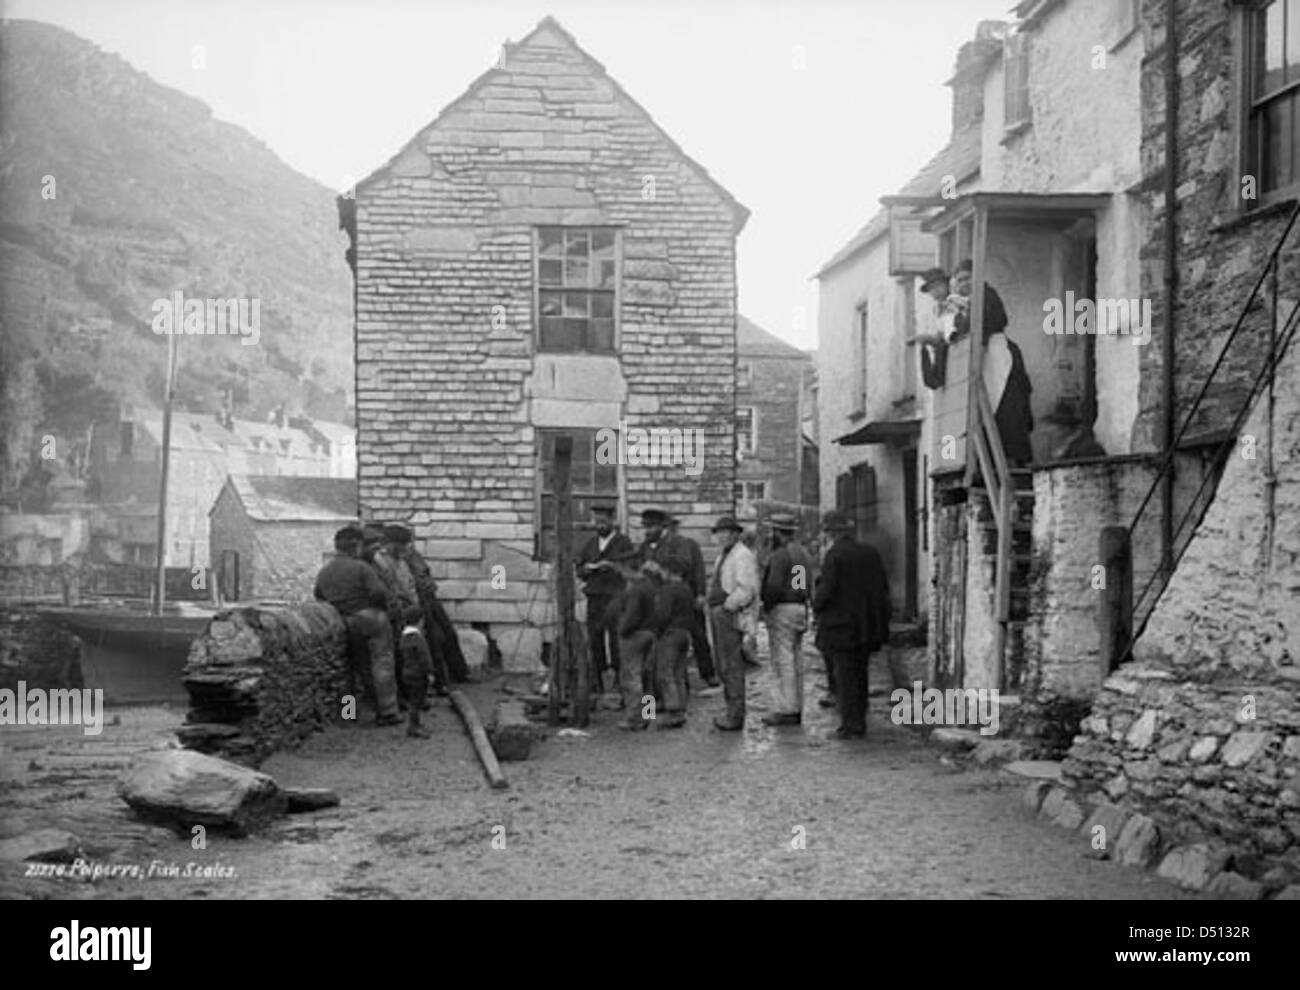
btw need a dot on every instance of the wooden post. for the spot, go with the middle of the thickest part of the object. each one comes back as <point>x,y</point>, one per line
<point>160,594</point>
<point>1115,618</point>
<point>568,642</point>
<point>478,735</point>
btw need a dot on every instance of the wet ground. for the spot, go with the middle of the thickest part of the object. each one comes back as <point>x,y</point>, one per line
<point>691,812</point>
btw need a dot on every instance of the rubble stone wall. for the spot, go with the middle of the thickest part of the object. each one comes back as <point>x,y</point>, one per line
<point>1202,729</point>
<point>262,680</point>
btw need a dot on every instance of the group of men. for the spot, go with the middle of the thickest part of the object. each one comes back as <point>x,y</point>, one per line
<point>400,637</point>
<point>652,603</point>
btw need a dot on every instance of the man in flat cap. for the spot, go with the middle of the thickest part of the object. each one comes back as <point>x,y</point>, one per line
<point>785,612</point>
<point>415,661</point>
<point>602,581</point>
<point>733,601</point>
<point>934,346</point>
<point>852,607</point>
<point>356,591</point>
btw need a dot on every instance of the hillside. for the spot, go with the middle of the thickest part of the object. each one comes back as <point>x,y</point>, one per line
<point>151,196</point>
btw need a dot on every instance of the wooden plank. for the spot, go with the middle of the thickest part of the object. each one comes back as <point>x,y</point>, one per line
<point>478,735</point>
<point>576,673</point>
<point>975,340</point>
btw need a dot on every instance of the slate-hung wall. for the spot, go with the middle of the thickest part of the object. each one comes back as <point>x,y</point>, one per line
<point>457,392</point>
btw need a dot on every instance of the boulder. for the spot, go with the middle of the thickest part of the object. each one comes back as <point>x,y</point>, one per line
<point>1194,866</point>
<point>1229,886</point>
<point>474,646</point>
<point>1138,842</point>
<point>1061,809</point>
<point>182,789</point>
<point>1111,819</point>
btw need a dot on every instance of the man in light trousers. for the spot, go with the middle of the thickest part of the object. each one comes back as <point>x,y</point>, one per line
<point>785,613</point>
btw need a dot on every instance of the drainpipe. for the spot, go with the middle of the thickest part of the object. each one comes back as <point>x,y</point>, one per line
<point>1170,279</point>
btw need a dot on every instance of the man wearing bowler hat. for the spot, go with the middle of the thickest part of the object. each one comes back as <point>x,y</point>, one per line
<point>852,607</point>
<point>602,581</point>
<point>733,601</point>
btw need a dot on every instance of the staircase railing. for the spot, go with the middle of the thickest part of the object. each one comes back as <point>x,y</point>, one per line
<point>1280,340</point>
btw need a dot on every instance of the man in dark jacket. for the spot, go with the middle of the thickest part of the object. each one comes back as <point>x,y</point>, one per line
<point>697,583</point>
<point>674,618</point>
<point>852,607</point>
<point>602,582</point>
<point>636,644</point>
<point>356,591</point>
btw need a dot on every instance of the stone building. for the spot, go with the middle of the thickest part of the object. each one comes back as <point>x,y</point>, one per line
<point>540,260</point>
<point>270,534</point>
<point>1201,729</point>
<point>126,464</point>
<point>773,397</point>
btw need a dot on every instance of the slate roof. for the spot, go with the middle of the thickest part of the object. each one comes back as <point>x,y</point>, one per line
<point>739,211</point>
<point>272,498</point>
<point>753,340</point>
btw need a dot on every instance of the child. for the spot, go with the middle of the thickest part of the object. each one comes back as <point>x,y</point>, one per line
<point>674,616</point>
<point>636,642</point>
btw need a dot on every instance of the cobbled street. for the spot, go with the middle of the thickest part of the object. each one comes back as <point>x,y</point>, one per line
<point>683,813</point>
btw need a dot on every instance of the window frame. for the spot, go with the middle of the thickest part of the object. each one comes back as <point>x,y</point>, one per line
<point>751,447</point>
<point>617,332</point>
<point>582,527</point>
<point>1016,48</point>
<point>1250,159</point>
<point>861,344</point>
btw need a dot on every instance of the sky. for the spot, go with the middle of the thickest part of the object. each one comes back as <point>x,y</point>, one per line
<point>807,111</point>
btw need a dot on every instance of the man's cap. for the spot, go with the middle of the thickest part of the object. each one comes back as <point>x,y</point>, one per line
<point>654,517</point>
<point>931,276</point>
<point>728,522</point>
<point>836,521</point>
<point>783,522</point>
<point>608,511</point>
<point>372,532</point>
<point>348,534</point>
<point>397,533</point>
<point>965,266</point>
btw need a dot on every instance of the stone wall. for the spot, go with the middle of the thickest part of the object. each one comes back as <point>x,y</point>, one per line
<point>261,680</point>
<point>451,389</point>
<point>1202,729</point>
<point>36,651</point>
<point>1220,244</point>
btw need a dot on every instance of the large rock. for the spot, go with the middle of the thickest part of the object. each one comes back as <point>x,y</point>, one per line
<point>1138,842</point>
<point>1061,809</point>
<point>1193,866</point>
<point>1110,819</point>
<point>182,789</point>
<point>474,646</point>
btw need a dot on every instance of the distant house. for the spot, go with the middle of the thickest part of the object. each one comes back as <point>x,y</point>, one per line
<point>268,535</point>
<point>773,393</point>
<point>126,463</point>
<point>540,261</point>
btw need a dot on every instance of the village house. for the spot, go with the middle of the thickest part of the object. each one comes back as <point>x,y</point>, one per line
<point>541,260</point>
<point>773,401</point>
<point>126,465</point>
<point>1201,730</point>
<point>1042,210</point>
<point>269,534</point>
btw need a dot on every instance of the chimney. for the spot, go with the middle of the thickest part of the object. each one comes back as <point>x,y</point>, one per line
<point>967,81</point>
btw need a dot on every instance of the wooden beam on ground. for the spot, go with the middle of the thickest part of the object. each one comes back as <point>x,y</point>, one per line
<point>478,735</point>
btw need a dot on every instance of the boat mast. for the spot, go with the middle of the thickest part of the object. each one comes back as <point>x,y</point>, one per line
<point>161,595</point>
